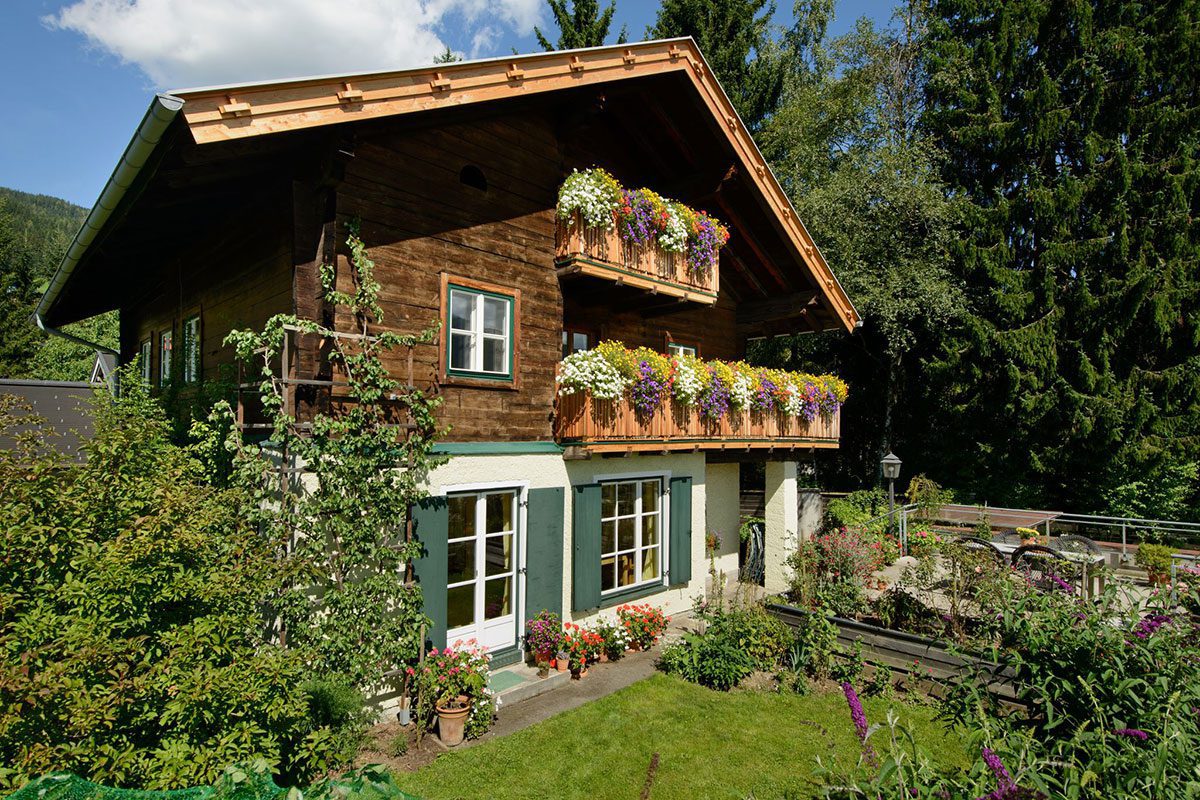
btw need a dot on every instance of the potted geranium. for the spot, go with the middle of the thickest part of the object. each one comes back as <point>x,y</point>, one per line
<point>643,624</point>
<point>543,634</point>
<point>1029,536</point>
<point>453,686</point>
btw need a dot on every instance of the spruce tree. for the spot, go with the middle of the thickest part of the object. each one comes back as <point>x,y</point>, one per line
<point>584,25</point>
<point>735,37</point>
<point>1072,129</point>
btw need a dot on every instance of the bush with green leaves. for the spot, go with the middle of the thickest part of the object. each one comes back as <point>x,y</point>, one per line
<point>132,606</point>
<point>854,510</point>
<point>1112,697</point>
<point>709,659</point>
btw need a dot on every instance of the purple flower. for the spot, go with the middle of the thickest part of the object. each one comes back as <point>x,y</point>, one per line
<point>1149,625</point>
<point>714,399</point>
<point>997,767</point>
<point>635,217</point>
<point>703,244</point>
<point>1132,733</point>
<point>1060,584</point>
<point>859,717</point>
<point>647,391</point>
<point>764,398</point>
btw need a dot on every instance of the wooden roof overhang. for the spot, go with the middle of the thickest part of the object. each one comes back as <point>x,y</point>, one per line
<point>232,146</point>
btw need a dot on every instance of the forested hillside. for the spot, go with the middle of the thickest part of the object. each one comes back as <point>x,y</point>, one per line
<point>35,231</point>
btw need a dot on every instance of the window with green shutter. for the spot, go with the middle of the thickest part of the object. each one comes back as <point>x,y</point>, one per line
<point>585,547</point>
<point>681,531</point>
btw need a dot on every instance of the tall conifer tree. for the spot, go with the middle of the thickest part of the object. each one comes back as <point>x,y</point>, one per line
<point>1074,131</point>
<point>584,25</point>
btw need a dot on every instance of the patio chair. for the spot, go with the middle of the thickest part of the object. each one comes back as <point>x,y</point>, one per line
<point>1071,543</point>
<point>1007,537</point>
<point>979,545</point>
<point>1045,568</point>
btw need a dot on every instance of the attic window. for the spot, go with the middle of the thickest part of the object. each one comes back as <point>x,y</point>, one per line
<point>473,176</point>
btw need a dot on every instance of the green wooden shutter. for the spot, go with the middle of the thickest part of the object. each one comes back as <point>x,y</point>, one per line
<point>585,550</point>
<point>681,531</point>
<point>544,551</point>
<point>432,530</point>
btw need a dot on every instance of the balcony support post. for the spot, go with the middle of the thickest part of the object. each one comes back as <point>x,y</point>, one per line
<point>783,524</point>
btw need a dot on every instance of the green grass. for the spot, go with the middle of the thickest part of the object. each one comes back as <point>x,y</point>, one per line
<point>710,745</point>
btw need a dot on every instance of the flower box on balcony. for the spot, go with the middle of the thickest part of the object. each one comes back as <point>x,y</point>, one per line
<point>602,253</point>
<point>614,425</point>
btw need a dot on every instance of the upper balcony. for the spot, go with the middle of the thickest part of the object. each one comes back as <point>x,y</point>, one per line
<point>602,253</point>
<point>637,238</point>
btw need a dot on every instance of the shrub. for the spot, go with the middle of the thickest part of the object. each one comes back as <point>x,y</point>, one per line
<point>763,637</point>
<point>710,659</point>
<point>131,617</point>
<point>816,643</point>
<point>1155,558</point>
<point>854,509</point>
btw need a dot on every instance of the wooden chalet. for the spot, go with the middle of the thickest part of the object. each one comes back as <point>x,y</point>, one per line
<point>230,198</point>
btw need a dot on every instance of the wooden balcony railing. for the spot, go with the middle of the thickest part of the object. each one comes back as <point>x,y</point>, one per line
<point>613,425</point>
<point>604,254</point>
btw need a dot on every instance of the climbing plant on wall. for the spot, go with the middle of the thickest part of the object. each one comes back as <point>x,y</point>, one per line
<point>340,505</point>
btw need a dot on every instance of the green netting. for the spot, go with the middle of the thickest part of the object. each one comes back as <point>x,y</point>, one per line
<point>238,783</point>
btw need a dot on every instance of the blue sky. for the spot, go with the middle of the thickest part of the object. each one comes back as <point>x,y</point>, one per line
<point>76,88</point>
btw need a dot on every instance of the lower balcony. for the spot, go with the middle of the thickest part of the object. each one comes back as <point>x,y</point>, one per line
<point>614,426</point>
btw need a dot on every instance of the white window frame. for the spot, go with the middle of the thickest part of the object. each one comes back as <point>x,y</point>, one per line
<point>522,490</point>
<point>165,347</point>
<point>664,529</point>
<point>146,354</point>
<point>476,333</point>
<point>191,349</point>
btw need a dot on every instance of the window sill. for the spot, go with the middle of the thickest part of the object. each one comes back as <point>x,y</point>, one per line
<point>469,382</point>
<point>633,593</point>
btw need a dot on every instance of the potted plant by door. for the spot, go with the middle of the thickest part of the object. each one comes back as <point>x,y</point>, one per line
<point>560,661</point>
<point>543,635</point>
<point>452,686</point>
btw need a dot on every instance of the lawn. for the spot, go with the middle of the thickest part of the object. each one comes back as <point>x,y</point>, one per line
<point>710,745</point>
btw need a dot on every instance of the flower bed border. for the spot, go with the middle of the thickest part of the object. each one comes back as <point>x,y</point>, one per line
<point>899,650</point>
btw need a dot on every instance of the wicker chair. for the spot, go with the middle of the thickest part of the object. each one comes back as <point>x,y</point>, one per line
<point>1045,568</point>
<point>1070,543</point>
<point>978,545</point>
<point>1007,537</point>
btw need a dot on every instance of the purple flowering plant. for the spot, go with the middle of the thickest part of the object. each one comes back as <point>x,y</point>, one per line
<point>543,633</point>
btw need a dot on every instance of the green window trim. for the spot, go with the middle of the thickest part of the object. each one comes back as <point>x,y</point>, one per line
<point>510,337</point>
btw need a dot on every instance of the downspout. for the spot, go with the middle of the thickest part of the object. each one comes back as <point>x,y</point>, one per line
<point>163,110</point>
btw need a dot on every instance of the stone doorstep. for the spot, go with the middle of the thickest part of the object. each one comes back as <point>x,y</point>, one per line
<point>530,685</point>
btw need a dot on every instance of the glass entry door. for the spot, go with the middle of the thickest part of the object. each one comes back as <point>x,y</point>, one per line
<point>482,578</point>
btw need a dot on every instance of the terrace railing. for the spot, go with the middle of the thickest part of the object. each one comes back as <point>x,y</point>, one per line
<point>601,253</point>
<point>614,425</point>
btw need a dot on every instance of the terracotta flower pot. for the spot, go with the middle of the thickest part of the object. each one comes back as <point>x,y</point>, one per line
<point>603,658</point>
<point>452,720</point>
<point>635,646</point>
<point>560,664</point>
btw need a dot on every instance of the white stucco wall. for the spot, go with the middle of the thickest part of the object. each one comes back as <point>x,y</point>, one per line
<point>548,470</point>
<point>722,516</point>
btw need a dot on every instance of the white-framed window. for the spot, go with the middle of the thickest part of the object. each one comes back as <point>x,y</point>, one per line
<point>479,333</point>
<point>481,559</point>
<point>631,533</point>
<point>145,354</point>
<point>164,357</point>
<point>676,349</point>
<point>191,349</point>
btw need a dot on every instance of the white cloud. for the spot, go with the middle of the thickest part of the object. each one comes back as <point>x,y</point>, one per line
<point>180,43</point>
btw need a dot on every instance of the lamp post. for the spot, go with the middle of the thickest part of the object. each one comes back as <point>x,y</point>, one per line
<point>891,470</point>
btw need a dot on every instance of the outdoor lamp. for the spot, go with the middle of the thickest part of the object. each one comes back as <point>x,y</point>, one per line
<point>891,470</point>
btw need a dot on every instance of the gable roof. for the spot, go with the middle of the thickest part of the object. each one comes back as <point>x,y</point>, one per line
<point>245,111</point>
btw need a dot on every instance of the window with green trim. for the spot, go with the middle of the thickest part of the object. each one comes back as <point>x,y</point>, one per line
<point>479,334</point>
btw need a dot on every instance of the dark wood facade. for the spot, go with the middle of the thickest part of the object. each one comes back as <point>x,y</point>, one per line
<point>236,216</point>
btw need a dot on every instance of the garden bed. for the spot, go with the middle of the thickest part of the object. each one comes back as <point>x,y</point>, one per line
<point>928,663</point>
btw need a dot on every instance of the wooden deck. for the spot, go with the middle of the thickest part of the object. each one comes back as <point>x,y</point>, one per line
<point>613,426</point>
<point>604,254</point>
